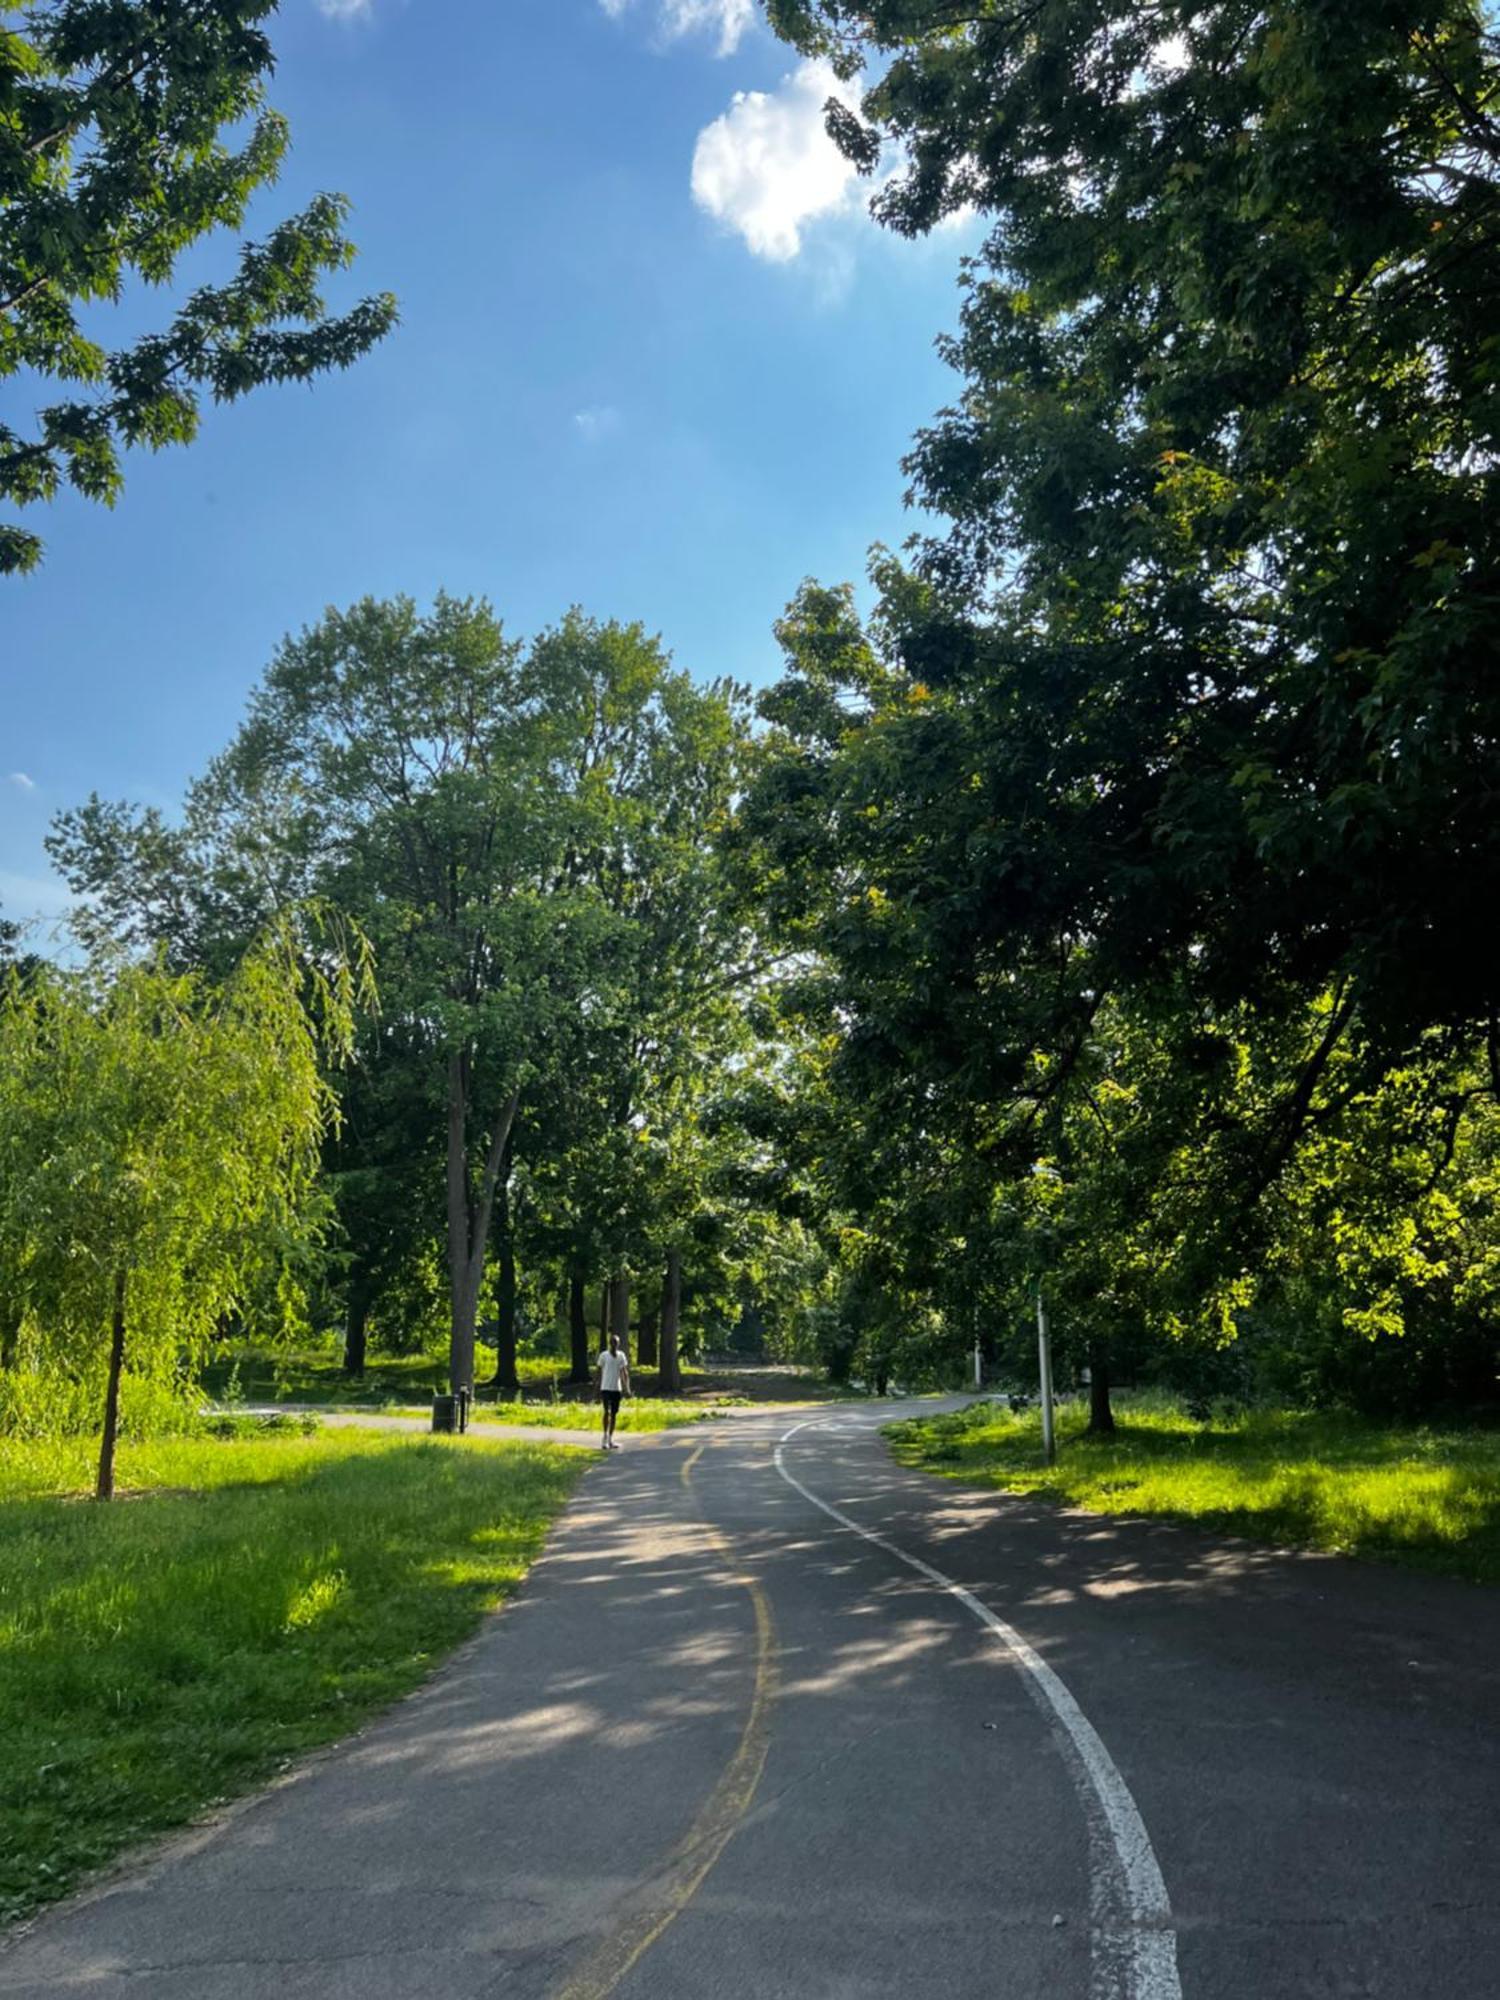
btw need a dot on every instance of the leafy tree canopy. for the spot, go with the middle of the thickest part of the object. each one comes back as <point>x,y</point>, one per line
<point>1221,570</point>
<point>525,832</point>
<point>129,130</point>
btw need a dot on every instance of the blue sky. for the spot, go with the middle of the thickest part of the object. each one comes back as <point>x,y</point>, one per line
<point>653,359</point>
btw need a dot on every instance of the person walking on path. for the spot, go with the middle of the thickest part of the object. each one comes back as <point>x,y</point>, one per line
<point>612,1372</point>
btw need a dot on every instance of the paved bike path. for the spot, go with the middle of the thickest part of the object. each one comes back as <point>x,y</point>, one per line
<point>720,1745</point>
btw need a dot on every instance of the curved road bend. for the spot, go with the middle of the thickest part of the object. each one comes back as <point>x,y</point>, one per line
<point>723,1743</point>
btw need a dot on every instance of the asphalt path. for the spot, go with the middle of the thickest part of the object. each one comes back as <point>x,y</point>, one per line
<point>774,1717</point>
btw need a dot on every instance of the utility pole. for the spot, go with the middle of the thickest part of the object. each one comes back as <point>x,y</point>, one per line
<point>978,1366</point>
<point>1044,1362</point>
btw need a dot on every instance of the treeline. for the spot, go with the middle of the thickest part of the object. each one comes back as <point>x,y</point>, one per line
<point>1110,911</point>
<point>1147,829</point>
<point>520,844</point>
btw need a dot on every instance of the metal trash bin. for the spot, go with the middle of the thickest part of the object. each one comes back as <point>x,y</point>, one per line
<point>445,1413</point>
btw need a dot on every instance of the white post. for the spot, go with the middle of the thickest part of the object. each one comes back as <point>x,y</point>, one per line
<point>978,1369</point>
<point>1044,1361</point>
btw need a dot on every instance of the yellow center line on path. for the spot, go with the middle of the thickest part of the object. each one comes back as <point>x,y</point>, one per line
<point>690,1863</point>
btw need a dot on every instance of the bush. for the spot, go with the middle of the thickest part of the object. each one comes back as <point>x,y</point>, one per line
<point>36,1406</point>
<point>233,1429</point>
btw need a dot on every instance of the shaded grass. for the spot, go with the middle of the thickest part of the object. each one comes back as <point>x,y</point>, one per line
<point>247,1601</point>
<point>405,1386</point>
<point>1426,1498</point>
<point>315,1378</point>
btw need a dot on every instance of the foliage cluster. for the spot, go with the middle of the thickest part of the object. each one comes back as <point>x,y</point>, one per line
<point>130,130</point>
<point>539,1113</point>
<point>1144,832</point>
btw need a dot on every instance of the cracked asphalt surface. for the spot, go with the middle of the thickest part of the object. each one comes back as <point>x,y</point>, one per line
<point>718,1746</point>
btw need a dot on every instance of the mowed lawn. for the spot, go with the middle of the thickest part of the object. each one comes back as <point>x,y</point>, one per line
<point>243,1602</point>
<point>1429,1498</point>
<point>404,1386</point>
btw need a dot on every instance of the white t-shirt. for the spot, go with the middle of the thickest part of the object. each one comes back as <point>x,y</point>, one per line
<point>611,1367</point>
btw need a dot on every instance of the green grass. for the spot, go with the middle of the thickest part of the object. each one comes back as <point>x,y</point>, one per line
<point>316,1379</point>
<point>247,1600</point>
<point>405,1387</point>
<point>1426,1498</point>
<point>637,1413</point>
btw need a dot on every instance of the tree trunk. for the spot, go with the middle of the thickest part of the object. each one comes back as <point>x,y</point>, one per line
<point>10,1332</point>
<point>1101,1416</point>
<point>104,1486</point>
<point>469,1212</point>
<point>645,1339</point>
<point>578,1328</point>
<point>619,1310</point>
<point>356,1322</point>
<point>507,1378</point>
<point>463,1293</point>
<point>669,1373</point>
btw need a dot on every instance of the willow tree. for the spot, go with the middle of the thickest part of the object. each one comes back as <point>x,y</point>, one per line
<point>158,1135</point>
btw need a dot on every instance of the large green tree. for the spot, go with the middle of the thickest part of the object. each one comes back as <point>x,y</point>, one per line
<point>654,758</point>
<point>129,130</point>
<point>1183,706</point>
<point>1221,557</point>
<point>526,835</point>
<point>417,765</point>
<point>1201,1156</point>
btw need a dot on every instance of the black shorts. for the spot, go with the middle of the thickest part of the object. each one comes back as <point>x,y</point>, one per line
<point>611,1400</point>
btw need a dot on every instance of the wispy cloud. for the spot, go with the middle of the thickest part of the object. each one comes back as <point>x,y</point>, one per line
<point>344,10</point>
<point>675,19</point>
<point>23,781</point>
<point>595,424</point>
<point>767,167</point>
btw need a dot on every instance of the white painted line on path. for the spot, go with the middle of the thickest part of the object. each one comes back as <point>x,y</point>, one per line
<point>1134,1943</point>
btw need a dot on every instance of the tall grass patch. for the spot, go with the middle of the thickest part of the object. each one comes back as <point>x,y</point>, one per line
<point>244,1601</point>
<point>1429,1498</point>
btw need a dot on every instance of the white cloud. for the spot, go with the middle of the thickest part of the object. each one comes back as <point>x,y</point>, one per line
<point>728,19</point>
<point>344,10</point>
<point>767,167</point>
<point>23,781</point>
<point>597,423</point>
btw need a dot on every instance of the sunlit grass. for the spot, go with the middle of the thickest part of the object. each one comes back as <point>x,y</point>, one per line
<point>637,1413</point>
<point>243,1602</point>
<point>1428,1498</point>
<point>405,1385</point>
